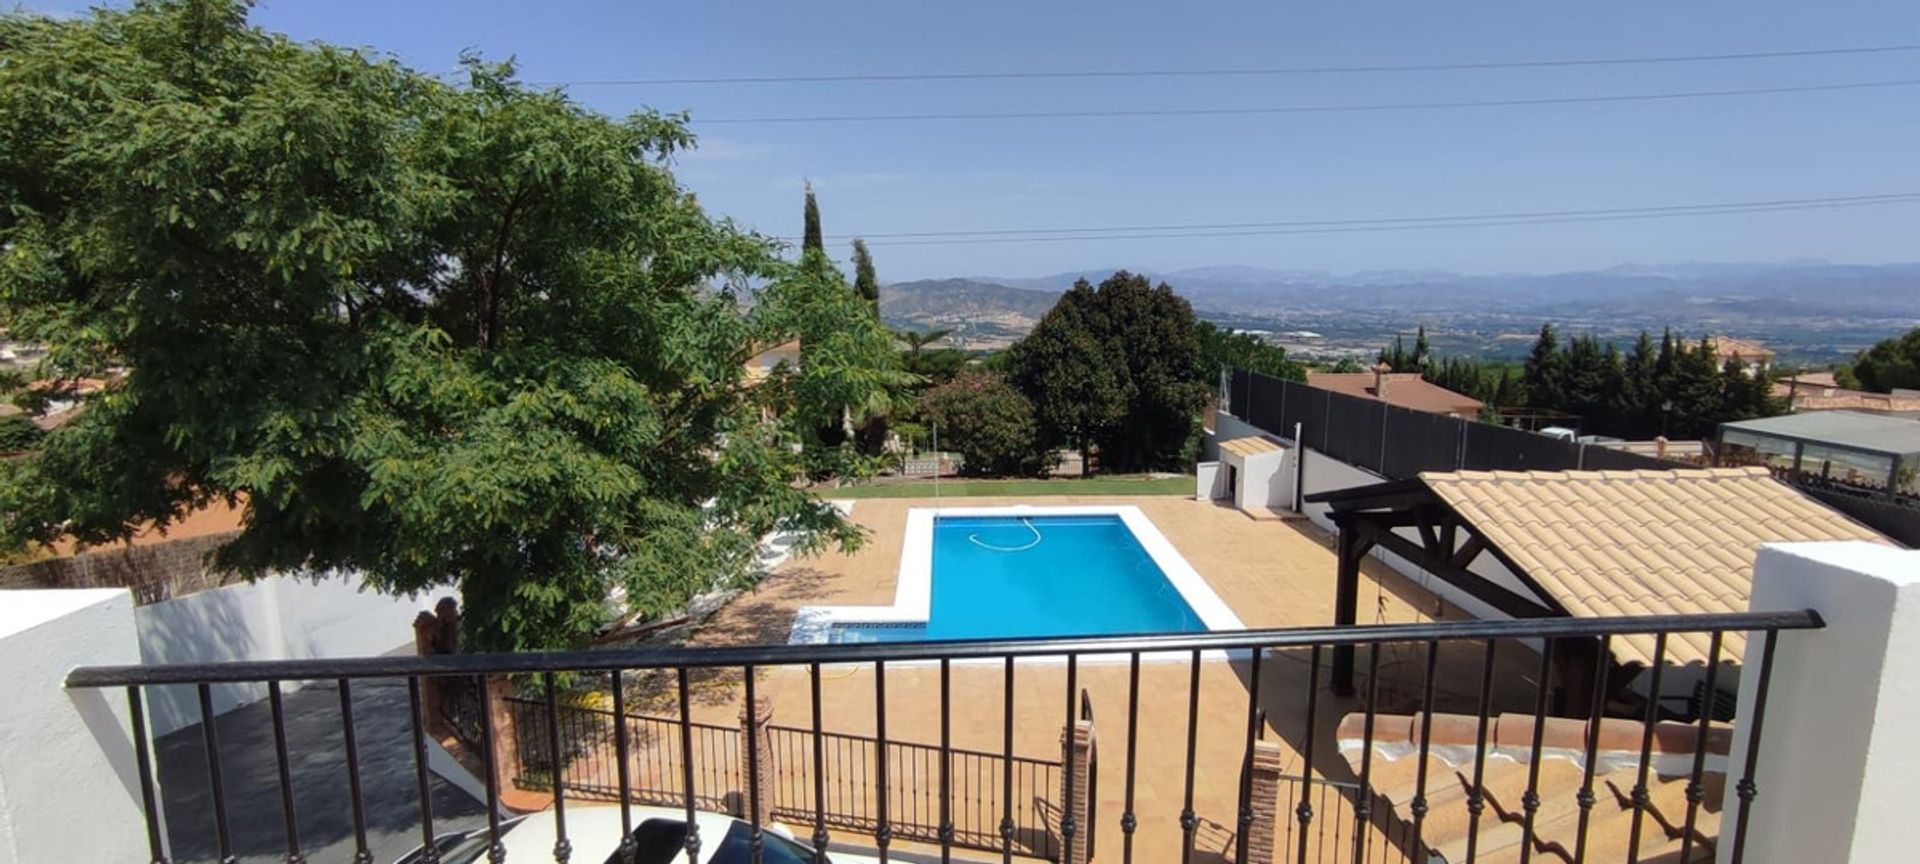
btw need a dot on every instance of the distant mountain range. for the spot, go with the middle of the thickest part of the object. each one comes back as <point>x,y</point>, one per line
<point>1845,303</point>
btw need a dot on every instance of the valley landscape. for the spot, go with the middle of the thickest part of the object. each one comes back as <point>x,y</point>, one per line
<point>1810,312</point>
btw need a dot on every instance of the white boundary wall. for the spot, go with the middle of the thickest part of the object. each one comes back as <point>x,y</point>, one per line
<point>69,786</point>
<point>1838,755</point>
<point>275,618</point>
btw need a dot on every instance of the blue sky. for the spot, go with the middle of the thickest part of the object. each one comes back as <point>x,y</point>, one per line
<point>1005,174</point>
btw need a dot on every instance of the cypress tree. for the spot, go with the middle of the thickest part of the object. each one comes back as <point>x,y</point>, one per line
<point>865,282</point>
<point>811,240</point>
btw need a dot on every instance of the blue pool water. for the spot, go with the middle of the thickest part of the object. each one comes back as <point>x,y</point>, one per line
<point>1009,576</point>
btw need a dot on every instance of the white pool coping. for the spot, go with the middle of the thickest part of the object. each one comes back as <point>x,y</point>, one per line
<point>913,596</point>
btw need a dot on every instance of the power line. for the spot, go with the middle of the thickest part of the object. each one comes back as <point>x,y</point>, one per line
<point>1207,73</point>
<point>1683,209</point>
<point>1311,109</point>
<point>1554,217</point>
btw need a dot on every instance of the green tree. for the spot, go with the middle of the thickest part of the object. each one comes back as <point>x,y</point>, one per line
<point>810,238</point>
<point>1221,348</point>
<point>850,379</point>
<point>1889,364</point>
<point>472,336</point>
<point>17,434</point>
<point>989,423</point>
<point>1116,366</point>
<point>1546,372</point>
<point>865,282</point>
<point>1072,372</point>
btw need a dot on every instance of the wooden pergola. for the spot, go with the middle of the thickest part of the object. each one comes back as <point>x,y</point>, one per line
<point>1445,545</point>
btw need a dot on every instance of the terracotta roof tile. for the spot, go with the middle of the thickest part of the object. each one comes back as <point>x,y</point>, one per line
<point>1405,389</point>
<point>1607,543</point>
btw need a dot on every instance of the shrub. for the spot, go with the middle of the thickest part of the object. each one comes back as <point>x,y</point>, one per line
<point>989,423</point>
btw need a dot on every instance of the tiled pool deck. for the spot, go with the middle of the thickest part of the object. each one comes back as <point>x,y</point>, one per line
<point>1271,572</point>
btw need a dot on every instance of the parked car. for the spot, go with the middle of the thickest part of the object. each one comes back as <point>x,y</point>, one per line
<point>659,834</point>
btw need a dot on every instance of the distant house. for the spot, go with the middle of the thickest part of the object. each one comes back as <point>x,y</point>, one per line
<point>762,364</point>
<point>1750,352</point>
<point>1818,391</point>
<point>1404,389</point>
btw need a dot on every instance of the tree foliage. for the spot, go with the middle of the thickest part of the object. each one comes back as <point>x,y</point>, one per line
<point>439,335</point>
<point>1115,367</point>
<point>1889,364</point>
<point>1678,389</point>
<point>989,423</point>
<point>866,282</point>
<point>1221,348</point>
<point>18,434</point>
<point>810,237</point>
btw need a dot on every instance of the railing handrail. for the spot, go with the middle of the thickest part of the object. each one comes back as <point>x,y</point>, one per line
<point>891,652</point>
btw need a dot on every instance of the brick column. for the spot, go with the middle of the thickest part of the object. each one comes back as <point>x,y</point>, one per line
<point>756,723</point>
<point>1077,786</point>
<point>506,738</point>
<point>1265,780</point>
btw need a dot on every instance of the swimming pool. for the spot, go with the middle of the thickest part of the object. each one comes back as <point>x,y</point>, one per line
<point>985,573</point>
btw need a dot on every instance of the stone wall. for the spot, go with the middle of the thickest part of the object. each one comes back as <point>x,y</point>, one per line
<point>155,571</point>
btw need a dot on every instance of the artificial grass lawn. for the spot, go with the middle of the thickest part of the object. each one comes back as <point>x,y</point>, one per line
<point>1124,484</point>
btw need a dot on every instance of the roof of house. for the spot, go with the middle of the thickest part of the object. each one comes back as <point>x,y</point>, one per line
<point>1748,350</point>
<point>1854,430</point>
<point>1610,543</point>
<point>1405,389</point>
<point>1251,445</point>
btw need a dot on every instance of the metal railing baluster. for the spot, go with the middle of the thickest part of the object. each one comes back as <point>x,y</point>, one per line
<point>143,762</point>
<point>1695,790</point>
<point>1188,821</point>
<point>946,762</point>
<point>1745,788</point>
<point>562,848</point>
<point>819,772</point>
<point>429,853</point>
<point>1530,800</point>
<point>276,705</point>
<point>1305,810</point>
<point>623,752</point>
<point>496,852</point>
<point>686,759</point>
<point>1477,798</point>
<point>1363,801</point>
<point>756,841</point>
<point>883,837</point>
<point>1596,717</point>
<point>1127,821</point>
<point>1418,807</point>
<point>362,854</point>
<point>1650,721</point>
<point>1006,771</point>
<point>1245,813</point>
<point>1067,823</point>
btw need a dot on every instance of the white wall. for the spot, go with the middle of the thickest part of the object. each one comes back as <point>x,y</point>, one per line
<point>1209,481</point>
<point>276,618</point>
<point>69,786</point>
<point>1838,751</point>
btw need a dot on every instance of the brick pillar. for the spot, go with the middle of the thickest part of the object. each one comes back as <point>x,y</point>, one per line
<point>506,737</point>
<point>1265,780</point>
<point>426,643</point>
<point>1077,786</point>
<point>756,722</point>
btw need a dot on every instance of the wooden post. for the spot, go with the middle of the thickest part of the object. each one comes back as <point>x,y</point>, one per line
<point>1346,601</point>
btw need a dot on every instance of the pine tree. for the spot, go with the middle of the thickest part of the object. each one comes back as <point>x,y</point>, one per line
<point>811,238</point>
<point>1546,375</point>
<point>1422,352</point>
<point>865,282</point>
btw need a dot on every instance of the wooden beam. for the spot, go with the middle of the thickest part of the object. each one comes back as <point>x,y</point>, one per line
<point>1468,581</point>
<point>1468,551</point>
<point>1351,545</point>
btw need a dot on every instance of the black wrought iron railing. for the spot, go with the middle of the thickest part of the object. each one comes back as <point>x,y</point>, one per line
<point>1280,670</point>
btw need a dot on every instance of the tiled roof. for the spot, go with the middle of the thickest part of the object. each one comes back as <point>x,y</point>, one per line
<point>1251,445</point>
<point>1605,543</point>
<point>1749,351</point>
<point>1405,389</point>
